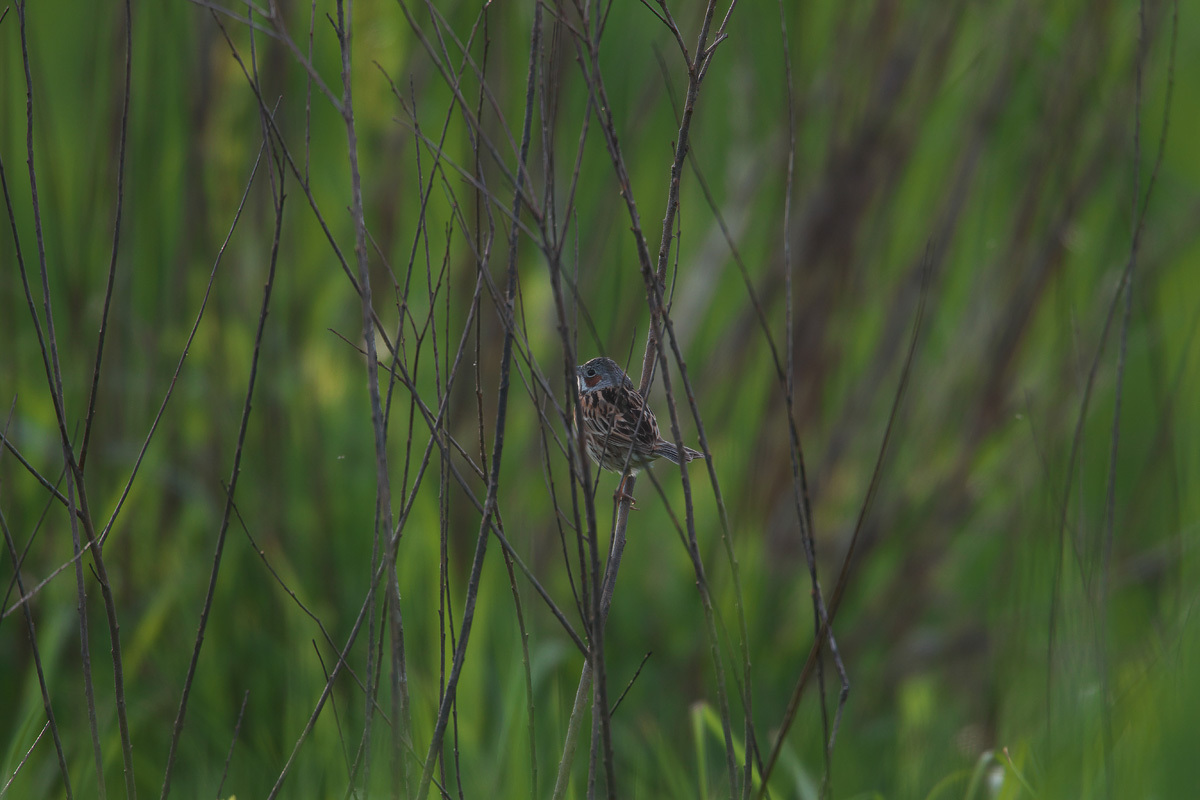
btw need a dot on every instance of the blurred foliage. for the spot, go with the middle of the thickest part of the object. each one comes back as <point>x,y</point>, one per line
<point>1007,629</point>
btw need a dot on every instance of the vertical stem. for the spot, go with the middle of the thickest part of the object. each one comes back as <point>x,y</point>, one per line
<point>383,501</point>
<point>489,507</point>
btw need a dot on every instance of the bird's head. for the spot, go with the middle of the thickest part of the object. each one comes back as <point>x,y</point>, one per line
<point>601,373</point>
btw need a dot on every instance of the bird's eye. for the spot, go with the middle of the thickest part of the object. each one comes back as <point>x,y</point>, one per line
<point>591,373</point>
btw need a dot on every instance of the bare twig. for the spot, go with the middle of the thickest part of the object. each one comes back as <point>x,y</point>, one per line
<point>50,360</point>
<point>237,727</point>
<point>839,588</point>
<point>177,731</point>
<point>629,685</point>
<point>29,626</point>
<point>112,262</point>
<point>498,448</point>
<point>1139,217</point>
<point>587,44</point>
<point>45,725</point>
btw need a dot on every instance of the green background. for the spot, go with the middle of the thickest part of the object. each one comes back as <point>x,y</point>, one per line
<point>1005,633</point>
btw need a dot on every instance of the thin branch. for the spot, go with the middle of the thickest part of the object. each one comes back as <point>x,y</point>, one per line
<point>498,448</point>
<point>587,46</point>
<point>237,727</point>
<point>45,725</point>
<point>839,589</point>
<point>53,368</point>
<point>33,645</point>
<point>112,261</point>
<point>629,685</point>
<point>177,730</point>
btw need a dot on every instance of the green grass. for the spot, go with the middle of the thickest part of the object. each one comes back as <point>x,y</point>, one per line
<point>979,665</point>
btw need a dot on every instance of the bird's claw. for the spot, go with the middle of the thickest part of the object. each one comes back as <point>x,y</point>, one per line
<point>620,494</point>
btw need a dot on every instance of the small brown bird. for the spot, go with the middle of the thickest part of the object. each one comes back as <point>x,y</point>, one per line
<point>619,430</point>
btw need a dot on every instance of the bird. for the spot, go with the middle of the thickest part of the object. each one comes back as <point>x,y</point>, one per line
<point>619,429</point>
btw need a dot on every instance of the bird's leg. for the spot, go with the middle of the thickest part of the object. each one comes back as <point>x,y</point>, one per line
<point>620,494</point>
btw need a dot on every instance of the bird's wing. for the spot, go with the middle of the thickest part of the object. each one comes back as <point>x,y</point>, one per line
<point>636,422</point>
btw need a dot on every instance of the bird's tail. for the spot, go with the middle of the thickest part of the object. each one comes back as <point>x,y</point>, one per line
<point>670,452</point>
